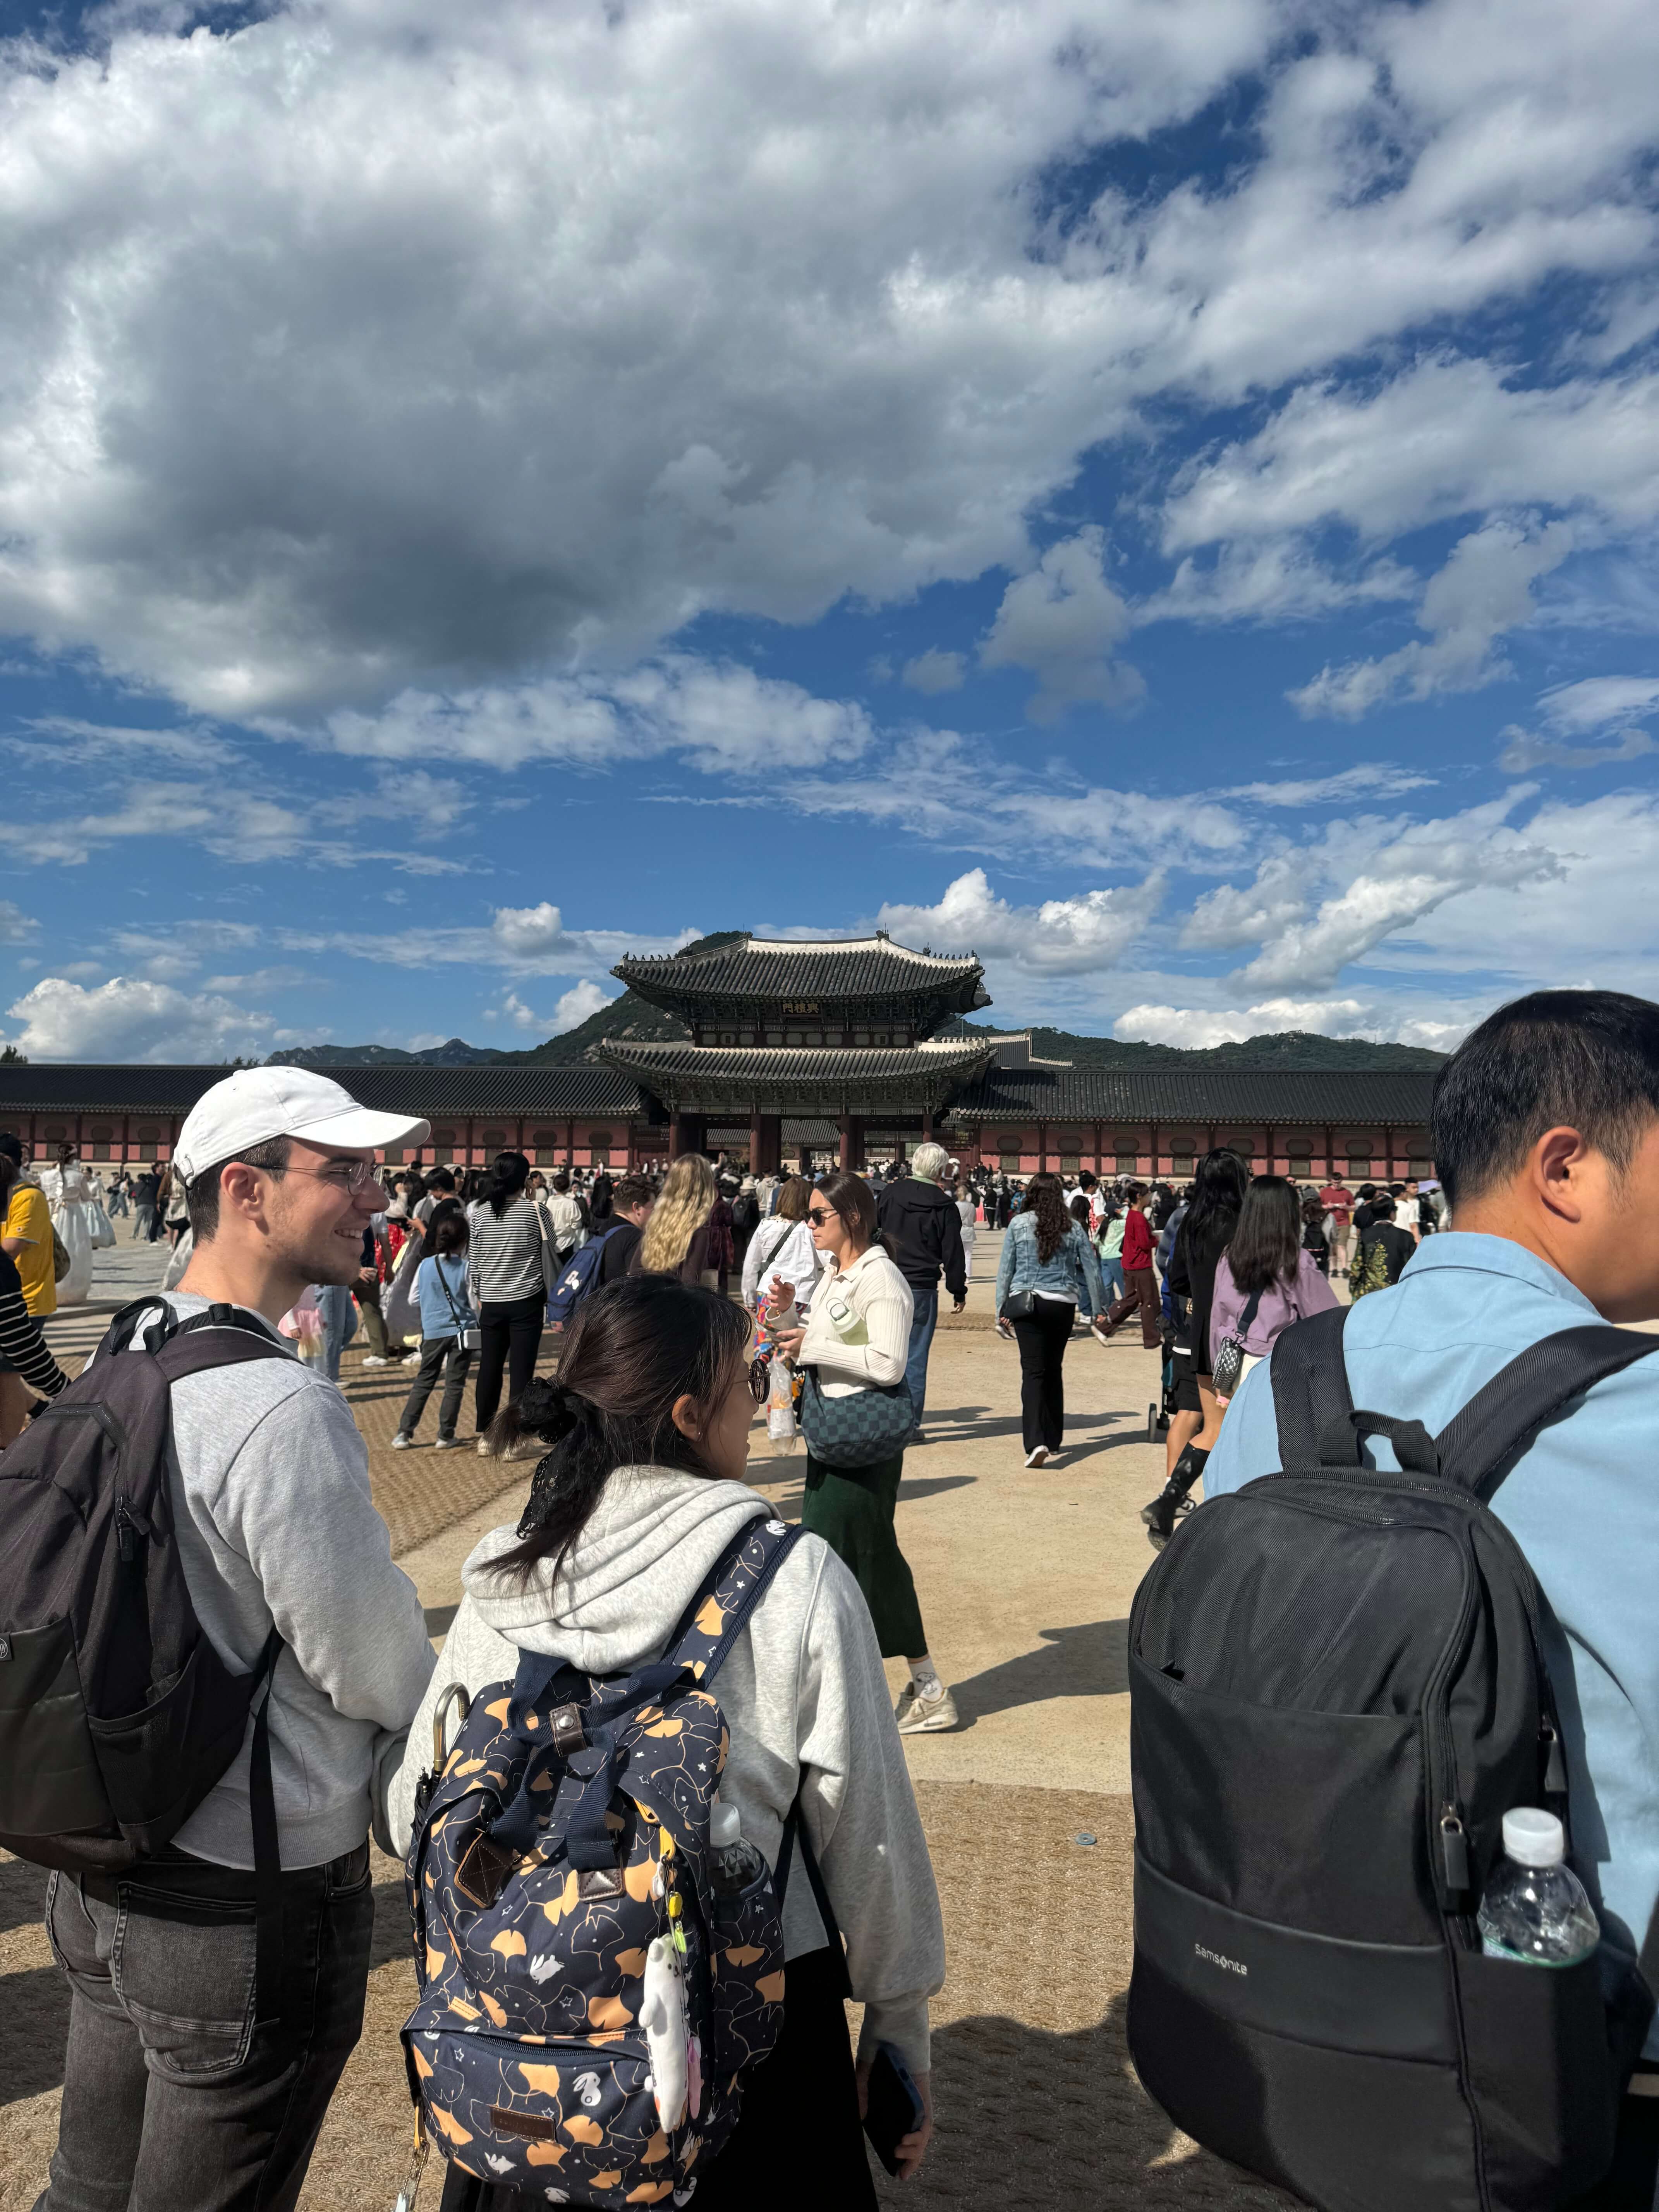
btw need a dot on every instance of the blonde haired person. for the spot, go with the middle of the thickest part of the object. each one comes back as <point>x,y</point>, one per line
<point>675,1239</point>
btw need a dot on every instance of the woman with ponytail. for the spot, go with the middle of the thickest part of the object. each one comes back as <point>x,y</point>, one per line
<point>640,1490</point>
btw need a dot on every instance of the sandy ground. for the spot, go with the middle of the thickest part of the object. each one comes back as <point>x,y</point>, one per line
<point>1025,1579</point>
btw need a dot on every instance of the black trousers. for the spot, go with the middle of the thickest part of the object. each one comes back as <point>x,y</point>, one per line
<point>510,1336</point>
<point>1042,1341</point>
<point>804,2093</point>
<point>439,1355</point>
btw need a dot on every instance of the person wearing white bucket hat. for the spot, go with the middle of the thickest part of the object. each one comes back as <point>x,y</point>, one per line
<point>173,2090</point>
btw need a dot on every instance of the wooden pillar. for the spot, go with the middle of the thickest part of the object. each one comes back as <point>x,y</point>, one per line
<point>1272,1150</point>
<point>927,1125</point>
<point>1387,1153</point>
<point>1330,1155</point>
<point>1210,1134</point>
<point>1152,1144</point>
<point>1099,1167</point>
<point>1043,1148</point>
<point>845,1156</point>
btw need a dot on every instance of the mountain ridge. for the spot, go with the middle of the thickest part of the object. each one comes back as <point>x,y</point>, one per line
<point>1299,1051</point>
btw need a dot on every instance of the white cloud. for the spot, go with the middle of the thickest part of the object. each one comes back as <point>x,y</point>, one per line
<point>573,1007</point>
<point>130,1018</point>
<point>1062,623</point>
<point>1485,589</point>
<point>1366,780</point>
<point>1599,702</point>
<point>15,926</point>
<point>1200,1027</point>
<point>935,671</point>
<point>570,326</point>
<point>1394,885</point>
<point>1060,937</point>
<point>1522,751</point>
<point>720,718</point>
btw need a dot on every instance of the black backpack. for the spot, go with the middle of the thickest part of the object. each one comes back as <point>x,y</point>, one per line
<point>1336,1690</point>
<point>117,1715</point>
<point>745,1212</point>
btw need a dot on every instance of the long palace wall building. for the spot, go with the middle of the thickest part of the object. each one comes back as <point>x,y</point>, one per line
<point>802,1054</point>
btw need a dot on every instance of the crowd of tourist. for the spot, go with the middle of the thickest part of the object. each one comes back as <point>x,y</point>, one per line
<point>200,2060</point>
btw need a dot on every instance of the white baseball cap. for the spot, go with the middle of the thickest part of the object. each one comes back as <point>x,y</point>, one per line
<point>258,1103</point>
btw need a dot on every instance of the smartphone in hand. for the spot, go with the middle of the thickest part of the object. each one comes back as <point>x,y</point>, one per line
<point>893,2107</point>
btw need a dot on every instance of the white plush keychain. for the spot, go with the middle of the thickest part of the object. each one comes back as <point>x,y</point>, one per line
<point>663,2017</point>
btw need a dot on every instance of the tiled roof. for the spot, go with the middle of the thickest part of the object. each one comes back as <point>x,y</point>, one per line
<point>1199,1095</point>
<point>792,1064</point>
<point>436,1093</point>
<point>872,968</point>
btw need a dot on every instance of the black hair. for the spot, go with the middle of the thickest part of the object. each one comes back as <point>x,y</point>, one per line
<point>1219,1182</point>
<point>634,1349</point>
<point>1583,1059</point>
<point>440,1179</point>
<point>562,1180</point>
<point>451,1232</point>
<point>508,1174</point>
<point>202,1192</point>
<point>1382,1209</point>
<point>1266,1245</point>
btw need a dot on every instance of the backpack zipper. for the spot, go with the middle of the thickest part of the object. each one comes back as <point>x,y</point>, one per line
<point>129,1527</point>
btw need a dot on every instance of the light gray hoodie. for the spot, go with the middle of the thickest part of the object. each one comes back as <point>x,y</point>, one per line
<point>802,1690</point>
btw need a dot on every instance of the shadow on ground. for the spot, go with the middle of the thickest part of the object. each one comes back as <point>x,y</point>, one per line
<point>1089,1660</point>
<point>1028,2119</point>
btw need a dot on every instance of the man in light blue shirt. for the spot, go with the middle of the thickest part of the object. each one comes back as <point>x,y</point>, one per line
<point>1547,1137</point>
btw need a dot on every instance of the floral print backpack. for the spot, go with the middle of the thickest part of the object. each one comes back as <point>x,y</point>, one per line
<point>589,2006</point>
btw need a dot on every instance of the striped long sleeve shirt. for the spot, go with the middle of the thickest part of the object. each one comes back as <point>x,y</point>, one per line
<point>22,1345</point>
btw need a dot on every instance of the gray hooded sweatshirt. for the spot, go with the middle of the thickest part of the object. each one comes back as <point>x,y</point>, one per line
<point>802,1690</point>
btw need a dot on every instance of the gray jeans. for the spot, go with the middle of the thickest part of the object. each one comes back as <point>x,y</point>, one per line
<point>175,2099</point>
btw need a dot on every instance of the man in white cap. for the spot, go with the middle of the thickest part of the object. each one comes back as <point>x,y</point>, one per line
<point>175,2093</point>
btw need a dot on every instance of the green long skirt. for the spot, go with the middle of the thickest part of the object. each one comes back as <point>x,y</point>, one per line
<point>852,1509</point>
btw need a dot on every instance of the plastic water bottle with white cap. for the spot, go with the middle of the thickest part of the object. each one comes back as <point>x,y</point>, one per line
<point>1535,1911</point>
<point>734,1865</point>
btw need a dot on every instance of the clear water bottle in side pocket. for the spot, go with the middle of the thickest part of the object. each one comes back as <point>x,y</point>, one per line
<point>1535,1911</point>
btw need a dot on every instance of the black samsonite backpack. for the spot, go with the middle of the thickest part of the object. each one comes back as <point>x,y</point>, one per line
<point>117,1715</point>
<point>1337,1691</point>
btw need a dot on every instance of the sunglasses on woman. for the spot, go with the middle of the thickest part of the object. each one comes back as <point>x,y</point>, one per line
<point>818,1217</point>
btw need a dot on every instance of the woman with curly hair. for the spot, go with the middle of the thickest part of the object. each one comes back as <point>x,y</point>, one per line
<point>675,1239</point>
<point>1048,1269</point>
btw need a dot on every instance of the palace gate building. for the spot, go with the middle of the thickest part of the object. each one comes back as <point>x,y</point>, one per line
<point>803,1054</point>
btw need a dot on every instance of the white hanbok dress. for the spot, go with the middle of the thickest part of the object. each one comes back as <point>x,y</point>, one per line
<point>80,1221</point>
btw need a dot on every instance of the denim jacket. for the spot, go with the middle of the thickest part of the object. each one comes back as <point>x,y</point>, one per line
<point>1073,1273</point>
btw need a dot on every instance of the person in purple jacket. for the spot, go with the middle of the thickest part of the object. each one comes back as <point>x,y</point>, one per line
<point>1265,1280</point>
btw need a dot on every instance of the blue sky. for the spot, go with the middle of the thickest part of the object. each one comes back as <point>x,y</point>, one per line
<point>1161,493</point>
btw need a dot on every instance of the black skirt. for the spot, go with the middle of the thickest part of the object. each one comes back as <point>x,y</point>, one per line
<point>805,2092</point>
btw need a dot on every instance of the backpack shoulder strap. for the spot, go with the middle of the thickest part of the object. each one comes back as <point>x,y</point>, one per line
<point>1311,1385</point>
<point>214,1339</point>
<point>715,1617</point>
<point>1478,1447</point>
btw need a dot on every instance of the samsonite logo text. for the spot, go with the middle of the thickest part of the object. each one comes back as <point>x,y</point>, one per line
<point>1215,1959</point>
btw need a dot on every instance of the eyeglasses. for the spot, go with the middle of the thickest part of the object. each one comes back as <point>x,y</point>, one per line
<point>818,1219</point>
<point>353,1175</point>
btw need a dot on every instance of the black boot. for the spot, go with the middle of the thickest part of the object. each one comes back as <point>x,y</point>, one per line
<point>1160,1516</point>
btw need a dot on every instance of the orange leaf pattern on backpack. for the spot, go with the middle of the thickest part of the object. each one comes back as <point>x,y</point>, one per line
<point>543,1963</point>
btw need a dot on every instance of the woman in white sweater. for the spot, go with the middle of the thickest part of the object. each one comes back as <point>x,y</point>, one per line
<point>859,1334</point>
<point>641,1492</point>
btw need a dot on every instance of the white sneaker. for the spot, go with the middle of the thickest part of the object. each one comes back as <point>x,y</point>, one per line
<point>411,1359</point>
<point>483,1448</point>
<point>1037,1456</point>
<point>401,1442</point>
<point>447,1443</point>
<point>375,1360</point>
<point>919,1715</point>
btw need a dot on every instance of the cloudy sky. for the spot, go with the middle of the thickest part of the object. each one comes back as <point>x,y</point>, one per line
<point>1162,492</point>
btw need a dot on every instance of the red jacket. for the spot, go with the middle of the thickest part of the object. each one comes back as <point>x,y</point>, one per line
<point>1137,1240</point>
